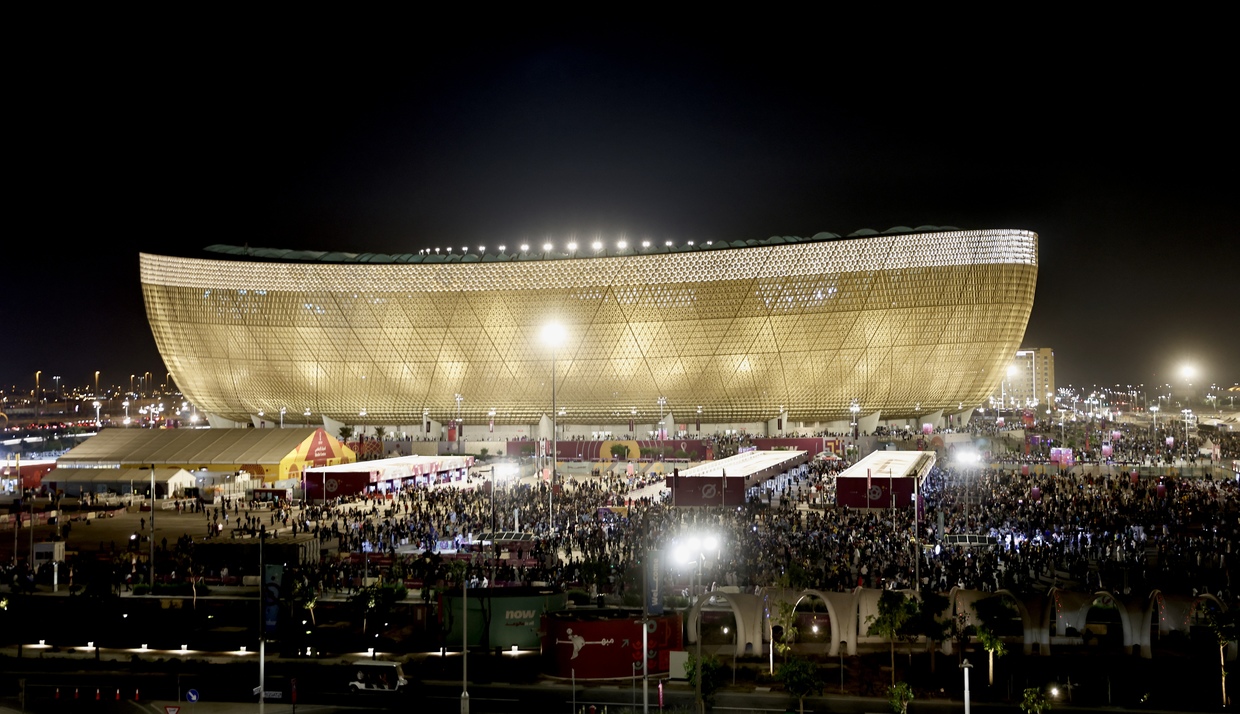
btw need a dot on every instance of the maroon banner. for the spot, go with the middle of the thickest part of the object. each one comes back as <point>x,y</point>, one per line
<point>608,649</point>
<point>689,491</point>
<point>854,492</point>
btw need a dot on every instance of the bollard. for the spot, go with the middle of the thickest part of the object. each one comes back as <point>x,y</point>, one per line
<point>118,694</point>
<point>96,694</point>
<point>58,692</point>
<point>75,692</point>
<point>135,694</point>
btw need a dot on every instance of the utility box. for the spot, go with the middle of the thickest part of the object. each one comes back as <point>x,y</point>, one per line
<point>50,552</point>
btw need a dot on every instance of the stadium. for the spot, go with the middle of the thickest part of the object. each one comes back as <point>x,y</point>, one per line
<point>913,324</point>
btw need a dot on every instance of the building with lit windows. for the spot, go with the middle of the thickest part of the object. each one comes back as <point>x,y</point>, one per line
<point>778,334</point>
<point>1029,382</point>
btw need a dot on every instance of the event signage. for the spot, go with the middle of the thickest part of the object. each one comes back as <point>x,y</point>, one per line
<point>654,583</point>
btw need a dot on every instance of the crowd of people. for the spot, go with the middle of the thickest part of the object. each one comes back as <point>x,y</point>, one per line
<point>1058,529</point>
<point>1088,528</point>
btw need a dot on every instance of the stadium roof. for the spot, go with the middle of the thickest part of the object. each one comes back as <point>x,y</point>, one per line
<point>896,464</point>
<point>464,256</point>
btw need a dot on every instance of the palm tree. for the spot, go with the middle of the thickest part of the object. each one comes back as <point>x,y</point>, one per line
<point>994,646</point>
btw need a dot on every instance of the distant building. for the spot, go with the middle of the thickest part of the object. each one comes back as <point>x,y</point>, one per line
<point>1030,380</point>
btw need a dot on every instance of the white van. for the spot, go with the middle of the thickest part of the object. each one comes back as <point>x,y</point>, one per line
<point>376,676</point>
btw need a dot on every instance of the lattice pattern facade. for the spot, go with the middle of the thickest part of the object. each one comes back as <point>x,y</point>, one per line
<point>903,324</point>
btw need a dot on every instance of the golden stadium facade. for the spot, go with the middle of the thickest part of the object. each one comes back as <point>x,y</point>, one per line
<point>902,323</point>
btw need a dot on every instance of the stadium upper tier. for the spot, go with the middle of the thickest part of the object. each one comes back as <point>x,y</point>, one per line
<point>902,323</point>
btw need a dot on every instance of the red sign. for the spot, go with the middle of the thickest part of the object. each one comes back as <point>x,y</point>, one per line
<point>607,649</point>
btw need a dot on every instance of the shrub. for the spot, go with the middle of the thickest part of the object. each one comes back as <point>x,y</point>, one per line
<point>898,696</point>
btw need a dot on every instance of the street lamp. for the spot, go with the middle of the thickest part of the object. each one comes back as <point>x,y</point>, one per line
<point>37,396</point>
<point>98,423</point>
<point>282,413</point>
<point>855,408</point>
<point>1188,414</point>
<point>693,551</point>
<point>553,336</point>
<point>965,666</point>
<point>459,426</point>
<point>969,459</point>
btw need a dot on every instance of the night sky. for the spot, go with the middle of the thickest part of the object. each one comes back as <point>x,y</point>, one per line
<point>386,136</point>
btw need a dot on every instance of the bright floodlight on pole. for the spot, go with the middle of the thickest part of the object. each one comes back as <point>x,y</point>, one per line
<point>553,335</point>
<point>693,550</point>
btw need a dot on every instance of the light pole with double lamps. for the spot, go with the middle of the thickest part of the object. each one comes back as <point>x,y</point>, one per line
<point>693,551</point>
<point>553,336</point>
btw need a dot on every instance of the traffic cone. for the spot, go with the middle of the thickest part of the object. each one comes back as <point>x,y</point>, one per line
<point>96,694</point>
<point>75,692</point>
<point>58,692</point>
<point>118,694</point>
<point>135,694</point>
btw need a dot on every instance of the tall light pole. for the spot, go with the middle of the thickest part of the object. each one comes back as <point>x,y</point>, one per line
<point>855,408</point>
<point>1188,414</point>
<point>464,643</point>
<point>36,395</point>
<point>694,551</point>
<point>459,425</point>
<point>260,574</point>
<point>553,335</point>
<point>96,383</point>
<point>965,666</point>
<point>283,411</point>
<point>262,620</point>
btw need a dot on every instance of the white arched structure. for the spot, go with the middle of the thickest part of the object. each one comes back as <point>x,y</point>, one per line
<point>1072,610</point>
<point>841,608</point>
<point>746,608</point>
<point>1034,620</point>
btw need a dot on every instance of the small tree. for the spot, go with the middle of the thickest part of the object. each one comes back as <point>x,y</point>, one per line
<point>927,623</point>
<point>800,678</point>
<point>1224,627</point>
<point>619,451</point>
<point>346,433</point>
<point>894,611</point>
<point>380,432</point>
<point>995,613</point>
<point>712,675</point>
<point>898,697</point>
<point>1034,701</point>
<point>994,646</point>
<point>305,596</point>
